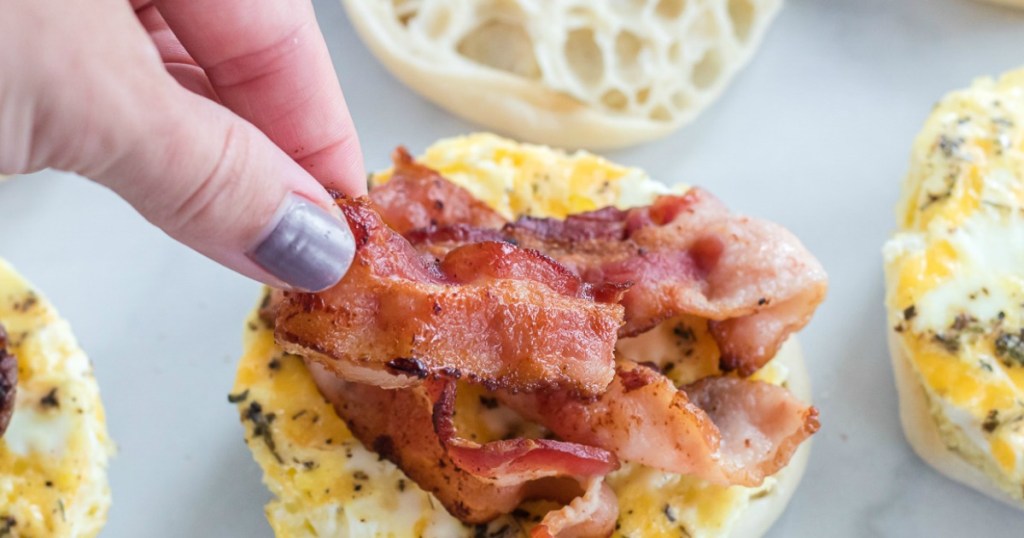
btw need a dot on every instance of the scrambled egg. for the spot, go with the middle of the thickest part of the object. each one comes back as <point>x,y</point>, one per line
<point>53,457</point>
<point>327,484</point>
<point>956,274</point>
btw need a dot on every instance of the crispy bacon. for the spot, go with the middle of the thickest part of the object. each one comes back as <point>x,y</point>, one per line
<point>413,428</point>
<point>722,429</point>
<point>495,313</point>
<point>681,255</point>
<point>418,197</point>
<point>532,310</point>
<point>8,382</point>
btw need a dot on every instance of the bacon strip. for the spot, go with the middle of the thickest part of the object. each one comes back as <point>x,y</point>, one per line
<point>500,315</point>
<point>413,428</point>
<point>592,514</point>
<point>722,429</point>
<point>8,382</point>
<point>682,255</point>
<point>418,197</point>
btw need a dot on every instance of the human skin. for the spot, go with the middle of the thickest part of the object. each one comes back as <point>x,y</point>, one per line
<point>220,121</point>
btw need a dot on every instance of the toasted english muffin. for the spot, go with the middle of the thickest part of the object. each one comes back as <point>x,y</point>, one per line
<point>326,483</point>
<point>53,456</point>
<point>955,289</point>
<point>594,74</point>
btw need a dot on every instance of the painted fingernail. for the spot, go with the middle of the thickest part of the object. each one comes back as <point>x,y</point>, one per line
<point>307,248</point>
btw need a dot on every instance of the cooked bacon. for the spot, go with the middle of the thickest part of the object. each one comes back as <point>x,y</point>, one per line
<point>513,461</point>
<point>592,514</point>
<point>418,197</point>
<point>412,427</point>
<point>500,315</point>
<point>681,255</point>
<point>761,425</point>
<point>722,429</point>
<point>8,382</point>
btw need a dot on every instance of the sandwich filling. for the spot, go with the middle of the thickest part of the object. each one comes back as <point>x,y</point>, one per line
<point>956,275</point>
<point>545,326</point>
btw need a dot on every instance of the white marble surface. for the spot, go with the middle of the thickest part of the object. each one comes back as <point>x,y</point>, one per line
<point>814,134</point>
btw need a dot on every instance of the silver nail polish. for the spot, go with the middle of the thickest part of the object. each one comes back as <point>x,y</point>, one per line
<point>308,248</point>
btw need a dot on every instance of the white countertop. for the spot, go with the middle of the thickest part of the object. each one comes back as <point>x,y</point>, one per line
<point>814,134</point>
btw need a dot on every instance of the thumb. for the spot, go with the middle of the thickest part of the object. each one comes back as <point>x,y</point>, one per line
<point>216,183</point>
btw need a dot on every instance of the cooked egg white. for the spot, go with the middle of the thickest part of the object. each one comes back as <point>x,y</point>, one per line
<point>53,457</point>
<point>327,484</point>
<point>955,273</point>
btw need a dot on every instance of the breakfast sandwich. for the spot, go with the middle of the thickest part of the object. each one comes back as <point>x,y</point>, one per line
<point>594,73</point>
<point>53,436</point>
<point>532,343</point>
<point>955,289</point>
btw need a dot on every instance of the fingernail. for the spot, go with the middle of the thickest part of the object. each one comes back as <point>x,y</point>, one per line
<point>307,248</point>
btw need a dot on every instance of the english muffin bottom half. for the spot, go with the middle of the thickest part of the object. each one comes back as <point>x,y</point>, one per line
<point>326,483</point>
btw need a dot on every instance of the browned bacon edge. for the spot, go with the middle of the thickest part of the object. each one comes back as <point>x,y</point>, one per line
<point>418,197</point>
<point>474,482</point>
<point>753,280</point>
<point>8,382</point>
<point>494,313</point>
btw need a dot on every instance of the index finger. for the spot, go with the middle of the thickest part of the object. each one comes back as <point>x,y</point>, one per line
<point>268,62</point>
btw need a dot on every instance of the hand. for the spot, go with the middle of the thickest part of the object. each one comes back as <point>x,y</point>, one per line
<point>221,121</point>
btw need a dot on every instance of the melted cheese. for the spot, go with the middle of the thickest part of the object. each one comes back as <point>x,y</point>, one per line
<point>54,454</point>
<point>956,293</point>
<point>524,179</point>
<point>311,462</point>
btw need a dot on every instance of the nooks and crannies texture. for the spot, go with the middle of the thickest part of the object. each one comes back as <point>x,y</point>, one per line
<point>629,70</point>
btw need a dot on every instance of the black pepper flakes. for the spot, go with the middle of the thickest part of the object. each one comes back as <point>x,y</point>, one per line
<point>949,343</point>
<point>962,322</point>
<point>26,304</point>
<point>238,398</point>
<point>50,400</point>
<point>910,312</point>
<point>1010,348</point>
<point>670,513</point>
<point>261,427</point>
<point>991,421</point>
<point>684,333</point>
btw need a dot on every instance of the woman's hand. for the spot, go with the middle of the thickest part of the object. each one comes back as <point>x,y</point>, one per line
<point>221,121</point>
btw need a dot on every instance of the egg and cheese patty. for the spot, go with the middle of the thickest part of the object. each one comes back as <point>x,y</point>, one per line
<point>956,274</point>
<point>327,484</point>
<point>53,457</point>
